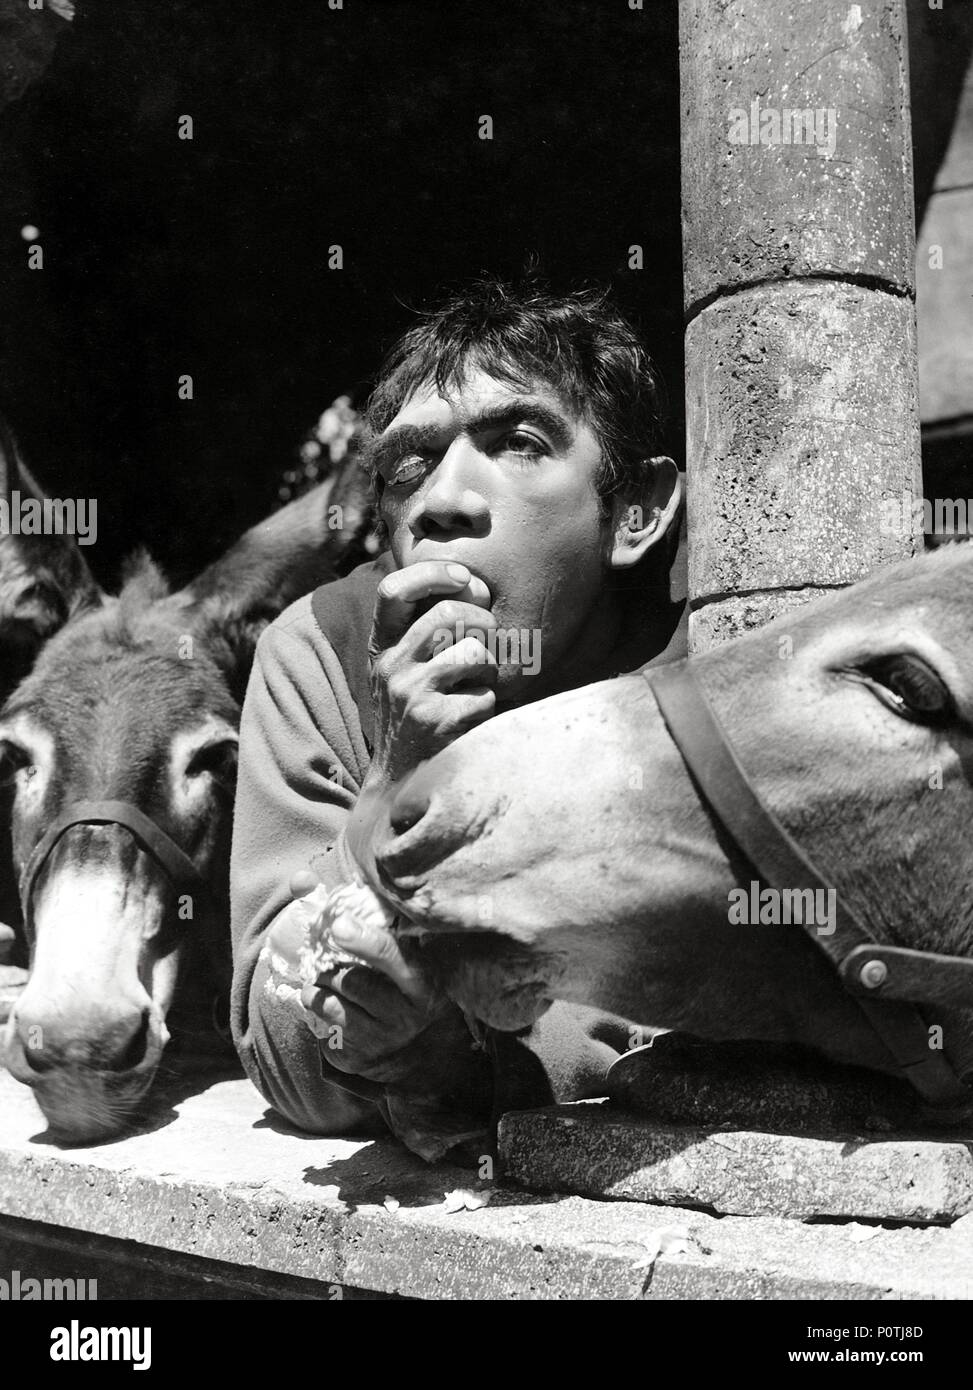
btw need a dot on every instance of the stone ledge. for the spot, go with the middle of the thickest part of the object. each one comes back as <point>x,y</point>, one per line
<point>216,1176</point>
<point>118,1270</point>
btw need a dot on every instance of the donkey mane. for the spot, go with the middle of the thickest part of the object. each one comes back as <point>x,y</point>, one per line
<point>137,617</point>
<point>143,583</point>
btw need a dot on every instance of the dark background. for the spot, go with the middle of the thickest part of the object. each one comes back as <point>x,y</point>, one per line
<point>312,127</point>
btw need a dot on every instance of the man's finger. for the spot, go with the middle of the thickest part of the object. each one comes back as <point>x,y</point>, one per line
<point>443,626</point>
<point>467,661</point>
<point>330,1017</point>
<point>302,883</point>
<point>470,705</point>
<point>378,997</point>
<point>323,1003</point>
<point>377,947</point>
<point>401,593</point>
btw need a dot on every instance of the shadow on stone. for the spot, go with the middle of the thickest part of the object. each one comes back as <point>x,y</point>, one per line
<point>678,1079</point>
<point>387,1170</point>
<point>178,1080</point>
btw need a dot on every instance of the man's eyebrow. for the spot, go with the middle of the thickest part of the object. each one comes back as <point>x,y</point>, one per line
<point>523,410</point>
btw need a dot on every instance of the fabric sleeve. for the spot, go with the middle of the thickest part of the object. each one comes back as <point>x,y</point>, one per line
<point>302,761</point>
<point>299,774</point>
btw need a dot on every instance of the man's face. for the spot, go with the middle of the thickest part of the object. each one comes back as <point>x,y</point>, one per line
<point>502,479</point>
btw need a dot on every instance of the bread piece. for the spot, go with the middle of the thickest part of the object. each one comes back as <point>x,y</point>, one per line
<point>321,909</point>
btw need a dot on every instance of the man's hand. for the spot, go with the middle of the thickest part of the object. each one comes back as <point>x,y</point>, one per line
<point>381,1019</point>
<point>432,679</point>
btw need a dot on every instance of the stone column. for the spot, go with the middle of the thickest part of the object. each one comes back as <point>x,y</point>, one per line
<point>798,241</point>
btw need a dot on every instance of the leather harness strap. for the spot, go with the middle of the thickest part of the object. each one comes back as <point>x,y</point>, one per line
<point>880,977</point>
<point>164,850</point>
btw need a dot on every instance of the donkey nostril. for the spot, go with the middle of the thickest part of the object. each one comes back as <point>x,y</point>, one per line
<point>117,1045</point>
<point>34,1056</point>
<point>135,1051</point>
<point>410,805</point>
<point>26,1040</point>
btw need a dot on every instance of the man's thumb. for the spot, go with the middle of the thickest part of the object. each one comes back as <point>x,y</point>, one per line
<point>376,946</point>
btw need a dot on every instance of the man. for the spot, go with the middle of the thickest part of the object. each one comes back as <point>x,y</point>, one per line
<point>532,523</point>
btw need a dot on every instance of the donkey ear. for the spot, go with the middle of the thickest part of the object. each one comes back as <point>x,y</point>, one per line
<point>43,578</point>
<point>14,473</point>
<point>307,543</point>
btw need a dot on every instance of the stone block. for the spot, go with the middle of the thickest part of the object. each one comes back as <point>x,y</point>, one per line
<point>763,211</point>
<point>589,1149</point>
<point>722,619</point>
<point>802,418</point>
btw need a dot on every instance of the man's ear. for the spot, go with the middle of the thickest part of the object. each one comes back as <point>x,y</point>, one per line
<point>641,521</point>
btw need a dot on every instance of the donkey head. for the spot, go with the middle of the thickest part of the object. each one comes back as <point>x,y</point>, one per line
<point>137,702</point>
<point>853,717</point>
<point>44,580</point>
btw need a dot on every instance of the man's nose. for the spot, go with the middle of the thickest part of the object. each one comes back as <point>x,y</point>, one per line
<point>453,503</point>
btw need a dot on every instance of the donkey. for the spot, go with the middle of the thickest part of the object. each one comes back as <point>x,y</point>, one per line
<point>43,581</point>
<point>564,849</point>
<point>120,752</point>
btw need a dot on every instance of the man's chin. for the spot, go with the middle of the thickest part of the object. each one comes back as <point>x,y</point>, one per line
<point>515,687</point>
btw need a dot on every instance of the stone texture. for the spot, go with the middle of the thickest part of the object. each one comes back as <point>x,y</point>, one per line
<point>212,1174</point>
<point>123,1269</point>
<point>722,619</point>
<point>589,1149</point>
<point>760,212</point>
<point>803,420</point>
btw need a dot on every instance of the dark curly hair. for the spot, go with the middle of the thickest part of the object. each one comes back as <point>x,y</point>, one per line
<point>579,344</point>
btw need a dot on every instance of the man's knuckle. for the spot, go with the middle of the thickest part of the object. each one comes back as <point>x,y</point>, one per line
<point>423,708</point>
<point>389,586</point>
<point>385,950</point>
<point>399,687</point>
<point>311,999</point>
<point>447,612</point>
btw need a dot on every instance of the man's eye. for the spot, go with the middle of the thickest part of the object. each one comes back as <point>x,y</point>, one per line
<point>408,469</point>
<point>526,445</point>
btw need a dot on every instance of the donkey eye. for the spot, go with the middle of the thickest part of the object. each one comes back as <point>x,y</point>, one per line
<point>218,758</point>
<point>13,758</point>
<point>42,604</point>
<point>912,688</point>
<point>38,592</point>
